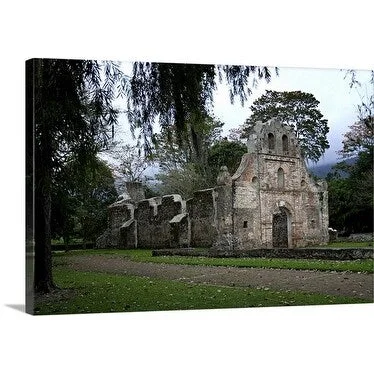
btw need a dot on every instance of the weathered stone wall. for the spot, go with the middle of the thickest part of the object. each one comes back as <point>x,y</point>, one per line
<point>153,218</point>
<point>222,205</point>
<point>145,214</point>
<point>118,214</point>
<point>122,228</point>
<point>202,212</point>
<point>180,231</point>
<point>128,235</point>
<point>170,207</point>
<point>246,203</point>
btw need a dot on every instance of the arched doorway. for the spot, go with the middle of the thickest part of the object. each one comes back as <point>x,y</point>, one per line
<point>281,228</point>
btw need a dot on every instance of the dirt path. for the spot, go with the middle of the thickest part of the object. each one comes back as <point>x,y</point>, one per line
<point>332,283</point>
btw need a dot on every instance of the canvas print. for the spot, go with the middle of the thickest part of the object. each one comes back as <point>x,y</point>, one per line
<point>175,186</point>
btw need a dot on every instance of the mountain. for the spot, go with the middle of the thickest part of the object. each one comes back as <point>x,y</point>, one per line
<point>321,171</point>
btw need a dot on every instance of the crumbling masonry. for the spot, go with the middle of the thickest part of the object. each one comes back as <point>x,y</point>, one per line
<point>270,202</point>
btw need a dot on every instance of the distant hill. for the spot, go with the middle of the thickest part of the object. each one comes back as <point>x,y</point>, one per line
<point>321,171</point>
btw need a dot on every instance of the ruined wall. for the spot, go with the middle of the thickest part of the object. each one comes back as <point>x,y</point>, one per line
<point>145,214</point>
<point>122,228</point>
<point>210,214</point>
<point>118,213</point>
<point>223,203</point>
<point>202,213</point>
<point>154,220</point>
<point>128,235</point>
<point>171,206</point>
<point>270,202</point>
<point>246,207</point>
<point>180,231</point>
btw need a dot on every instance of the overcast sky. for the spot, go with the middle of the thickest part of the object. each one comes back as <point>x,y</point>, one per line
<point>338,102</point>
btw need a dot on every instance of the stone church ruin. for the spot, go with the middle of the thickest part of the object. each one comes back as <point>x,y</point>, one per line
<point>270,202</point>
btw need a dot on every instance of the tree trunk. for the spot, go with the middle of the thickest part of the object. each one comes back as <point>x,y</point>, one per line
<point>43,254</point>
<point>41,173</point>
<point>43,180</point>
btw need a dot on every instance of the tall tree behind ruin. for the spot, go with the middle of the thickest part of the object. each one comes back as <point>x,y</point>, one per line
<point>183,170</point>
<point>298,110</point>
<point>184,166</point>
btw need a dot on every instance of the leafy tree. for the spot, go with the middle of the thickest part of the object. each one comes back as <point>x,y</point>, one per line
<point>351,195</point>
<point>174,93</point>
<point>171,153</point>
<point>62,214</point>
<point>94,191</point>
<point>80,200</point>
<point>129,162</point>
<point>69,113</point>
<point>189,176</point>
<point>183,181</point>
<point>351,185</point>
<point>225,153</point>
<point>360,137</point>
<point>298,110</point>
<point>235,134</point>
<point>366,92</point>
<point>183,167</point>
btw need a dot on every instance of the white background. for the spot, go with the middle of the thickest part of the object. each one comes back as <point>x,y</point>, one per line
<point>293,340</point>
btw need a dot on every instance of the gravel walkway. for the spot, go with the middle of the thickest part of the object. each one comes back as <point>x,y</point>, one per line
<point>332,283</point>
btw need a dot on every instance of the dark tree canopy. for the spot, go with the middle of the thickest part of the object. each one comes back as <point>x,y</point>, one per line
<point>172,153</point>
<point>298,110</point>
<point>69,114</point>
<point>174,93</point>
<point>351,194</point>
<point>80,197</point>
<point>184,168</point>
<point>226,153</point>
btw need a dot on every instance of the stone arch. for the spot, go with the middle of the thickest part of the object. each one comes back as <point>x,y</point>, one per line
<point>285,144</point>
<point>271,141</point>
<point>280,178</point>
<point>283,207</point>
<point>281,228</point>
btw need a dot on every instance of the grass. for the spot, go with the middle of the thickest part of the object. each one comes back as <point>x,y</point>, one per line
<point>349,244</point>
<point>94,292</point>
<point>142,255</point>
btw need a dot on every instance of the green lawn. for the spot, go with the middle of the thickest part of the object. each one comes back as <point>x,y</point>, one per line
<point>349,244</point>
<point>143,255</point>
<point>93,292</point>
